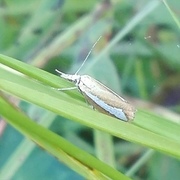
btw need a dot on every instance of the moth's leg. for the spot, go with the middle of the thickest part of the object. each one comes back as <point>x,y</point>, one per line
<point>65,89</point>
<point>91,106</point>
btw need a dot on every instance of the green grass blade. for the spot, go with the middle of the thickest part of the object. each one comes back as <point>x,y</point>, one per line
<point>75,158</point>
<point>70,107</point>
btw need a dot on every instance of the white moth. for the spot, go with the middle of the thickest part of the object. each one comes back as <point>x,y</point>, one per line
<point>99,96</point>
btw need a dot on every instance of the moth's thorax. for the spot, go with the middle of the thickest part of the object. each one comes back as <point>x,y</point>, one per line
<point>87,81</point>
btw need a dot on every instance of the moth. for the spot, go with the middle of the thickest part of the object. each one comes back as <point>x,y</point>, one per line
<point>99,96</point>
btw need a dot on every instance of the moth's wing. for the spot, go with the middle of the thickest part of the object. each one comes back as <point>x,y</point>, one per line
<point>99,96</point>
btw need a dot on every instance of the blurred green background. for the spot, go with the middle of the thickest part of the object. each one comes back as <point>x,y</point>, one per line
<point>139,59</point>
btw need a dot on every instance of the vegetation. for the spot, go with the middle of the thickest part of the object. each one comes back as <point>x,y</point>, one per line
<point>137,56</point>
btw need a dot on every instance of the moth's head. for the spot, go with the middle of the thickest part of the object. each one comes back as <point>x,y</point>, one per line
<point>73,78</point>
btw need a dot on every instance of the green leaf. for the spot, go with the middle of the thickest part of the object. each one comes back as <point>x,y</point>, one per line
<point>75,158</point>
<point>33,90</point>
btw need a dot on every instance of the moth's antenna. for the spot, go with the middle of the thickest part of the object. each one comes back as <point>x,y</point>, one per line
<point>88,55</point>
